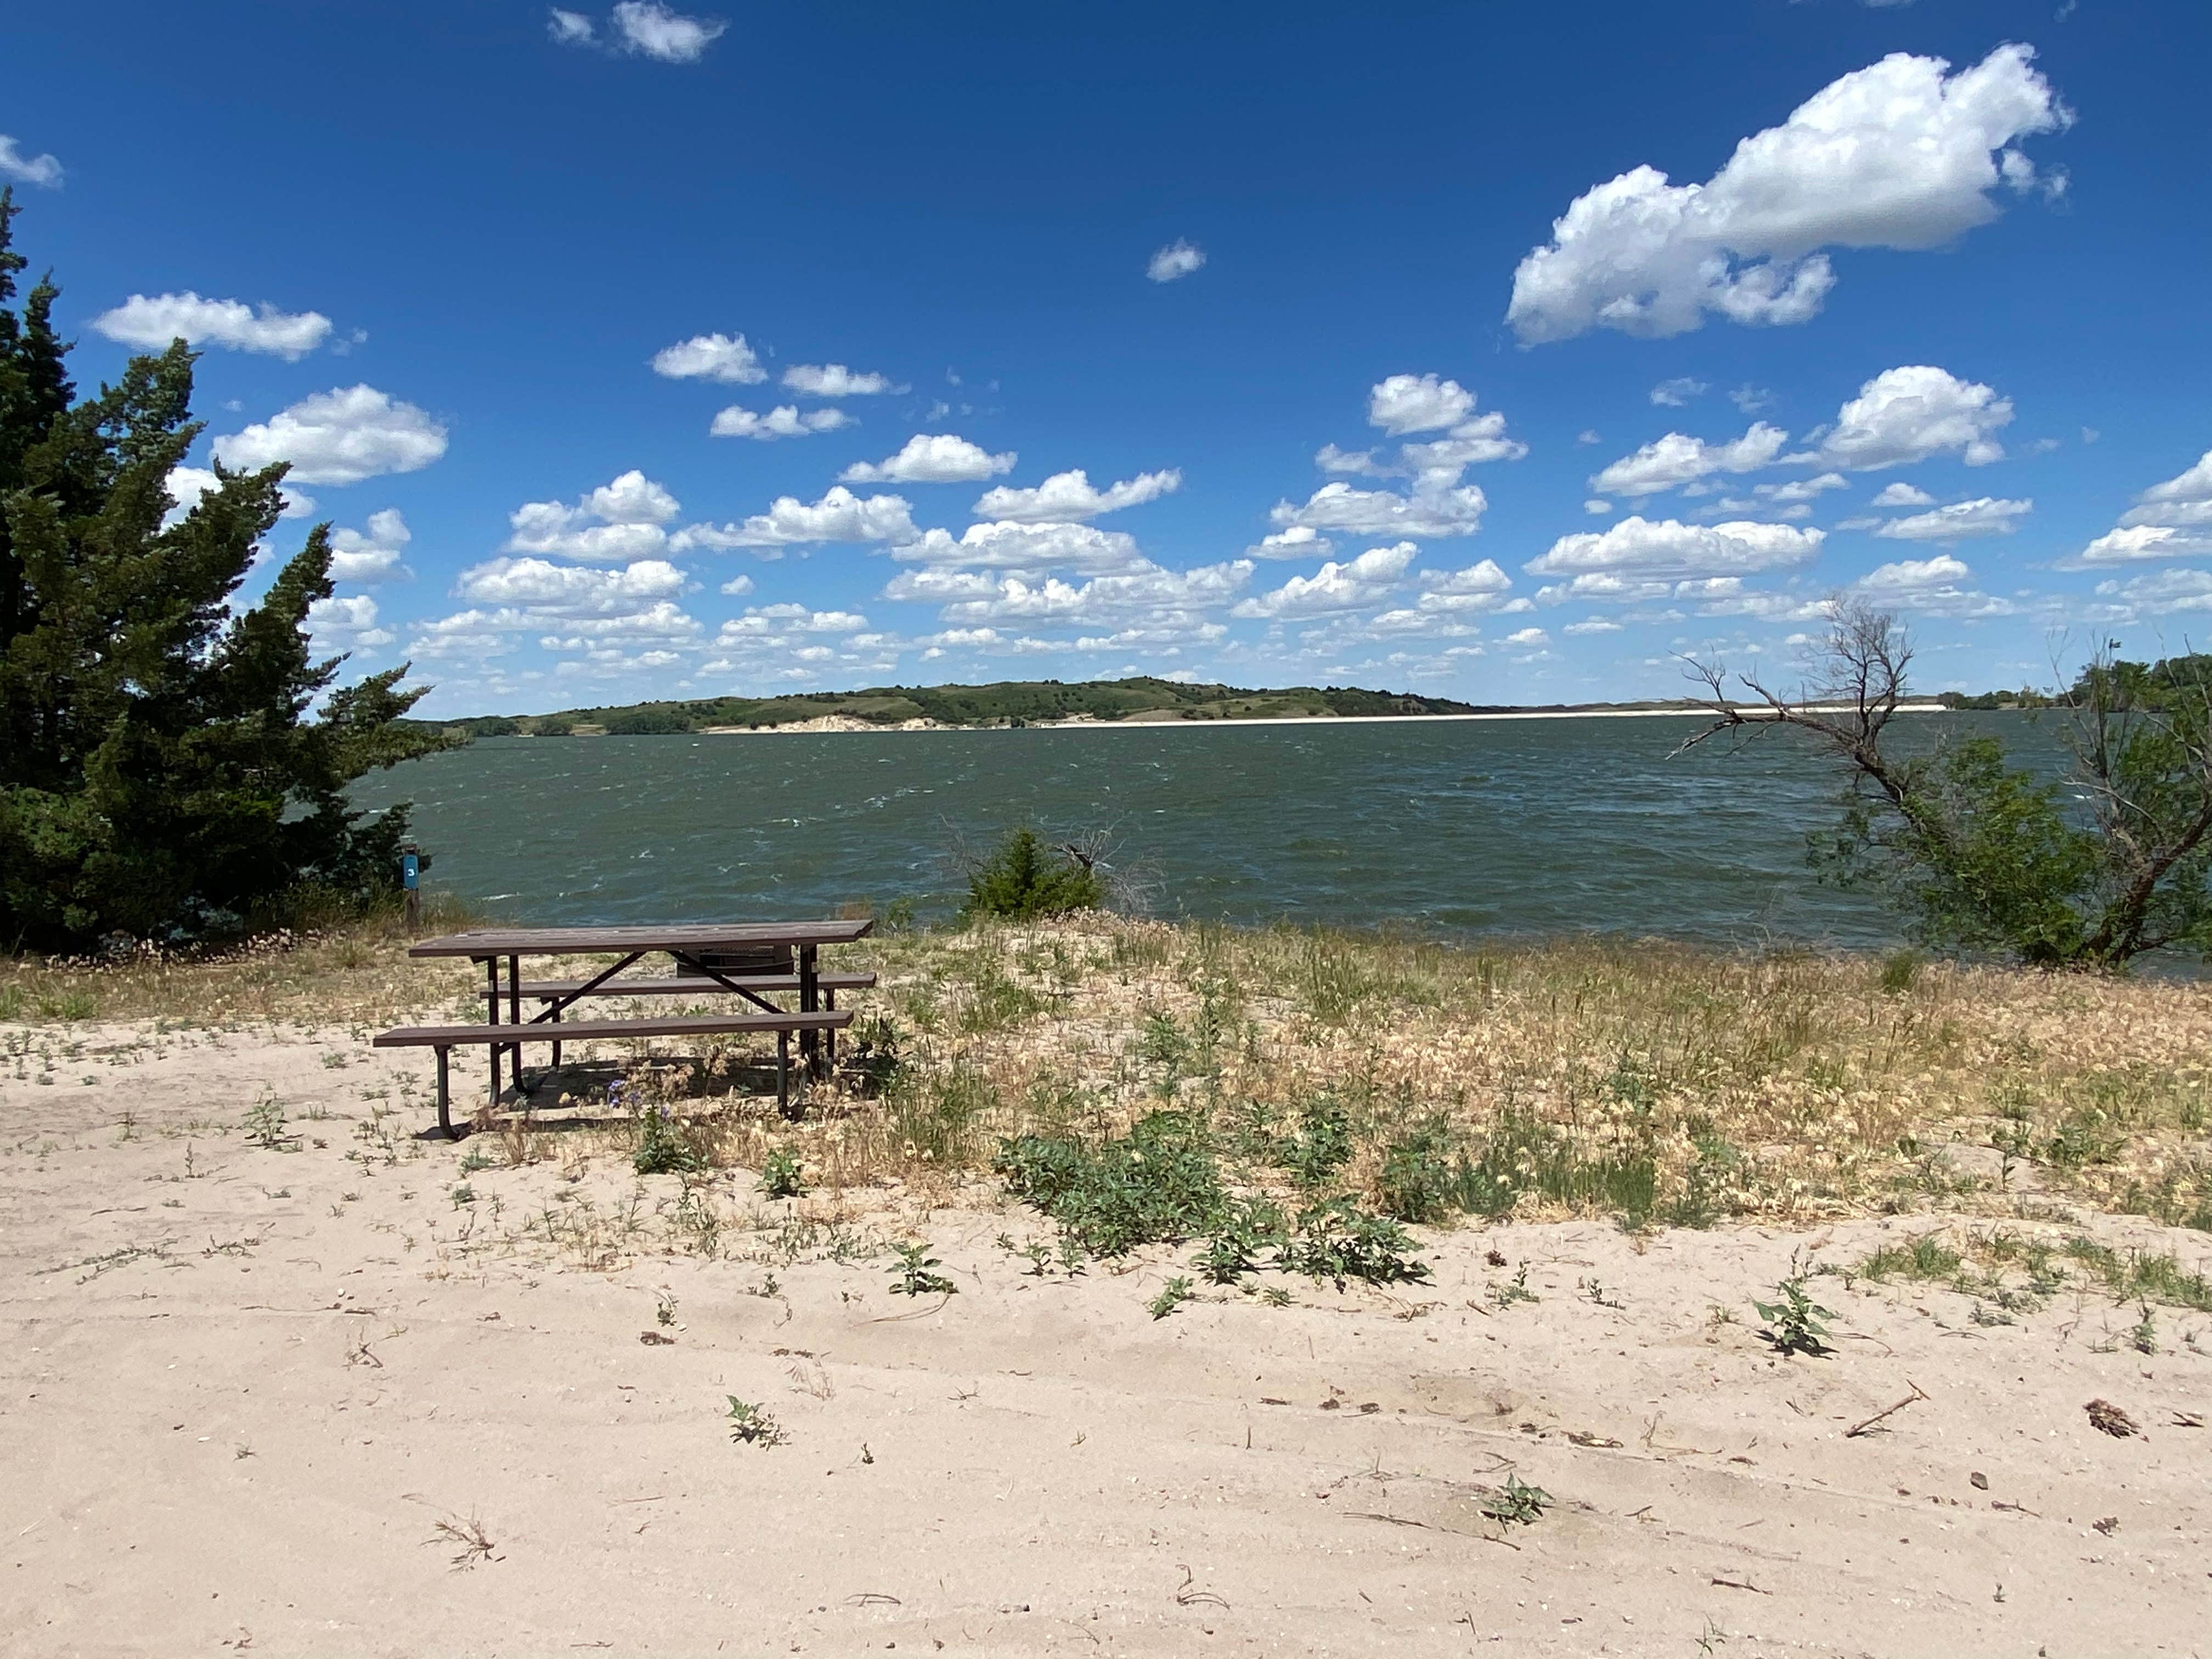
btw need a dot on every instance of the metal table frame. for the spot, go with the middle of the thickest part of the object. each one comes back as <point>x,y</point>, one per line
<point>686,941</point>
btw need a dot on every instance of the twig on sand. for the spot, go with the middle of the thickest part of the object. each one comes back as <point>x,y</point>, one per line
<point>1186,1597</point>
<point>1858,1429</point>
<point>1742,1583</point>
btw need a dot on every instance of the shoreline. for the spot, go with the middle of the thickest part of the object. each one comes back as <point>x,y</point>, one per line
<point>848,723</point>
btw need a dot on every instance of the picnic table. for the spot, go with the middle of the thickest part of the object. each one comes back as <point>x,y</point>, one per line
<point>746,959</point>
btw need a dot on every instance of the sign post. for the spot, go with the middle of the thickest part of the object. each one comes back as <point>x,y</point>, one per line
<point>410,879</point>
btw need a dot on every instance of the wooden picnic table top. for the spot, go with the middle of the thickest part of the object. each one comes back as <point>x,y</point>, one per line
<point>673,936</point>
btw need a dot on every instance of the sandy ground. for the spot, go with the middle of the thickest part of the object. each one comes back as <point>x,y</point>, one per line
<point>242,1388</point>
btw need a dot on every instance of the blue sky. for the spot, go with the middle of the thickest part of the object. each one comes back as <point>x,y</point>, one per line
<point>678,351</point>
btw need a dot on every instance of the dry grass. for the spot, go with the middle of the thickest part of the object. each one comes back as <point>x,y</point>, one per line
<point>1660,1083</point>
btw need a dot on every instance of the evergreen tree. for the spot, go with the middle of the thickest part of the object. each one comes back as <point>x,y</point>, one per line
<point>161,775</point>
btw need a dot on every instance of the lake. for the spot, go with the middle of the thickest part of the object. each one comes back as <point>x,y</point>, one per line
<point>1507,826</point>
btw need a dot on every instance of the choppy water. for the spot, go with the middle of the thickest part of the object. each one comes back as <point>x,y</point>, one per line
<point>1504,826</point>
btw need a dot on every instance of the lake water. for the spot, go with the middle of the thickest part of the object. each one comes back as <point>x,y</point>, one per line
<point>1522,826</point>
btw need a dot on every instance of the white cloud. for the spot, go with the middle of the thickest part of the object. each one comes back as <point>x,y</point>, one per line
<point>784,421</point>
<point>1912,574</point>
<point>1351,585</point>
<point>2160,590</point>
<point>372,555</point>
<point>346,623</point>
<point>1067,495</point>
<point>43,170</point>
<point>1479,587</point>
<point>1985,516</point>
<point>1469,444</point>
<point>340,437</point>
<point>1672,550</point>
<point>839,516</point>
<point>1360,462</point>
<point>1931,587</point>
<point>1597,508</point>
<point>1417,403</point>
<point>724,358</point>
<point>653,30</point>
<point>1164,599</point>
<point>1801,490</point>
<point>1673,394</point>
<point>1178,258</point>
<point>1529,637</point>
<point>1451,512</point>
<point>834,380</point>
<point>1592,625</point>
<point>939,458</point>
<point>1910,413</point>
<point>151,323</point>
<point>1299,542</point>
<point>1752,398</point>
<point>615,524</point>
<point>1899,154</point>
<point>1901,494</point>
<point>1034,547</point>
<point>570,28</point>
<point>2169,520</point>
<point>1678,459</point>
<point>773,624</point>
<point>186,484</point>
<point>568,590</point>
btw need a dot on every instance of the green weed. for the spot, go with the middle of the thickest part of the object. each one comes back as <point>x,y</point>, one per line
<point>753,1425</point>
<point>914,1272</point>
<point>1176,1291</point>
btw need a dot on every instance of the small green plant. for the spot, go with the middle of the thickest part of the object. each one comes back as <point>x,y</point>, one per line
<point>661,1148</point>
<point>781,1175</point>
<point>1023,880</point>
<point>1595,1291</point>
<point>1232,1249</point>
<point>914,1272</point>
<point>1322,1145</point>
<point>463,1195</point>
<point>476,1159</point>
<point>2143,1339</point>
<point>664,1312</point>
<point>264,1125</point>
<point>1157,1184</point>
<point>1517,1504</point>
<point>1899,972</point>
<point>1794,1322</point>
<point>1176,1291</point>
<point>1514,1290</point>
<point>1339,1241</point>
<point>752,1425</point>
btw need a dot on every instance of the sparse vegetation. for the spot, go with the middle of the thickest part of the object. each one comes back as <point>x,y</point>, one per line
<point>754,1425</point>
<point>914,1272</point>
<point>1794,1320</point>
<point>1516,1504</point>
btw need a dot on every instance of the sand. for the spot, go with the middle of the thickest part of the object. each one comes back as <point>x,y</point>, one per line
<point>1152,720</point>
<point>243,1388</point>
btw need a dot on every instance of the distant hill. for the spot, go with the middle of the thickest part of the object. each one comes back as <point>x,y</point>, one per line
<point>1009,702</point>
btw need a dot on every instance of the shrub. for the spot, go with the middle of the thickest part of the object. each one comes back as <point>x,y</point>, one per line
<point>661,1148</point>
<point>1160,1184</point>
<point>1339,1241</point>
<point>1024,879</point>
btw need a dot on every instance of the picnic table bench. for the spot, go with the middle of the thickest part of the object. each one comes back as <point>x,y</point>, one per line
<point>748,960</point>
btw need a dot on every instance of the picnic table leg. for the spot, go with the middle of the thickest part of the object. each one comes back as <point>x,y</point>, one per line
<point>491,986</point>
<point>557,1047</point>
<point>809,1001</point>
<point>514,1009</point>
<point>445,1108</point>
<point>830,1036</point>
<point>783,1072</point>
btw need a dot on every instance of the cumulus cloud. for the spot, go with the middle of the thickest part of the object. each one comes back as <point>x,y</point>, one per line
<point>1936,587</point>
<point>1671,550</point>
<point>340,437</point>
<point>41,170</point>
<point>1351,585</point>
<point>1985,516</point>
<point>1676,459</point>
<point>1901,494</point>
<point>569,591</point>
<point>346,623</point>
<point>150,323</point>
<point>724,358</point>
<point>186,484</point>
<point>1912,412</point>
<point>839,516</point>
<point>939,458</point>
<point>1177,259</point>
<point>616,523</point>
<point>1801,490</point>
<point>1448,512</point>
<point>1480,586</point>
<point>1899,155</point>
<point>1069,495</point>
<point>2159,592</point>
<point>2168,520</point>
<point>834,380</point>
<point>570,28</point>
<point>1299,542</point>
<point>644,27</point>
<point>373,554</point>
<point>1673,394</point>
<point>1163,599</point>
<point>1417,403</point>
<point>784,421</point>
<point>1034,548</point>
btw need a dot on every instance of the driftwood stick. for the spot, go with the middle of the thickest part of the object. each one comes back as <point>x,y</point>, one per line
<point>1858,1429</point>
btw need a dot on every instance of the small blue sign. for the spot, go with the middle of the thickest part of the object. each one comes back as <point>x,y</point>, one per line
<point>411,870</point>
